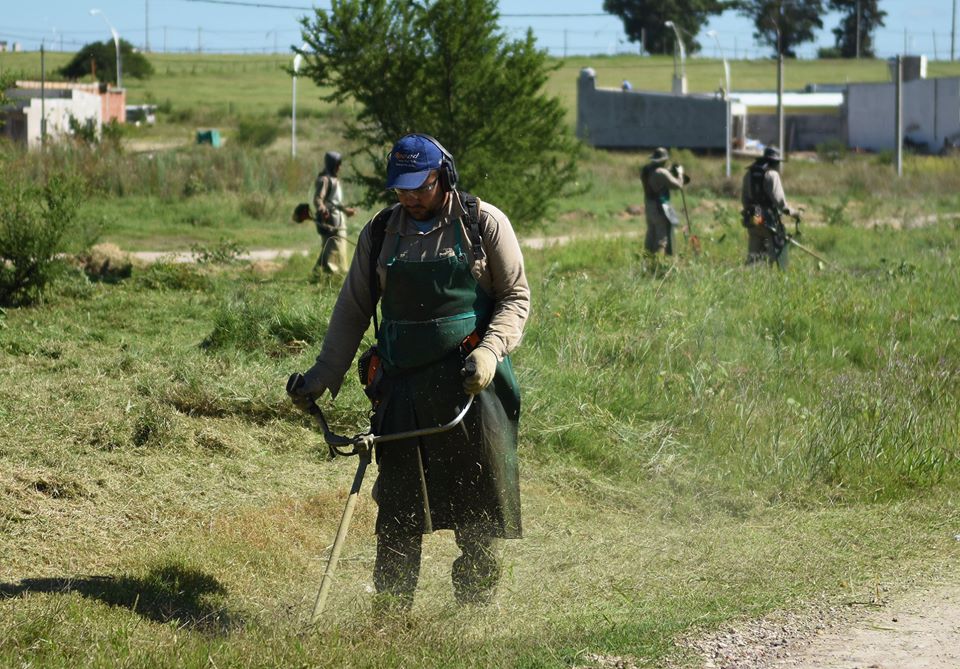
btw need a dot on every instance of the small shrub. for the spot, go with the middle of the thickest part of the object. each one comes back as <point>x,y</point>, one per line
<point>33,223</point>
<point>257,206</point>
<point>85,131</point>
<point>257,132</point>
<point>172,276</point>
<point>112,134</point>
<point>226,252</point>
<point>832,150</point>
<point>837,215</point>
<point>885,157</point>
<point>194,185</point>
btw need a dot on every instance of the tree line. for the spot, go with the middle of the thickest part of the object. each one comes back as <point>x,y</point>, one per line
<point>782,25</point>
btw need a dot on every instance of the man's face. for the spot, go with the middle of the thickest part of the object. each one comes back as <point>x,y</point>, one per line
<point>424,202</point>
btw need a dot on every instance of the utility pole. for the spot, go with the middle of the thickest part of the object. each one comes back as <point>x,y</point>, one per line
<point>146,25</point>
<point>858,29</point>
<point>953,31</point>
<point>199,39</point>
<point>43,96</point>
<point>780,119</point>
<point>164,39</point>
<point>899,116</point>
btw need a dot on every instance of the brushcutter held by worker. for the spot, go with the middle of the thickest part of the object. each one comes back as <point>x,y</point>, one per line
<point>692,240</point>
<point>302,213</point>
<point>361,445</point>
<point>791,239</point>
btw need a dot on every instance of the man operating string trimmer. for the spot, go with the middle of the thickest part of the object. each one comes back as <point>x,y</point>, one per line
<point>448,273</point>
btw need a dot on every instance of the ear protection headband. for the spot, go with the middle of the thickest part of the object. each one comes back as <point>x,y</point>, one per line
<point>448,168</point>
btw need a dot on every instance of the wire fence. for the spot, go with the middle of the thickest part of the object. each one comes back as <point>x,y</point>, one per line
<point>560,34</point>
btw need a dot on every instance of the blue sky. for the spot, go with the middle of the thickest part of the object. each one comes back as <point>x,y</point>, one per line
<point>913,25</point>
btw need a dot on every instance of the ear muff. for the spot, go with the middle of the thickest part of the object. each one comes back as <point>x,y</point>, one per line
<point>448,168</point>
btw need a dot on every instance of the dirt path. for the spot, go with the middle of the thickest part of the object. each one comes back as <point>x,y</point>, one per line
<point>916,630</point>
<point>921,631</point>
<point>275,254</point>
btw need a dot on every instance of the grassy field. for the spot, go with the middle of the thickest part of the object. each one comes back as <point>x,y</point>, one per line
<point>700,442</point>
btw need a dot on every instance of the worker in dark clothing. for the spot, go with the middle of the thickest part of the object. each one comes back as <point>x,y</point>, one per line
<point>763,206</point>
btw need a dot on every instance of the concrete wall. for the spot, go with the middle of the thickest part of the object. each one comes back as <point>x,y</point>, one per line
<point>802,132</point>
<point>24,121</point>
<point>613,118</point>
<point>931,113</point>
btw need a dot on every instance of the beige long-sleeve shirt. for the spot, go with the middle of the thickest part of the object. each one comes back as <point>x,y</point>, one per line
<point>500,272</point>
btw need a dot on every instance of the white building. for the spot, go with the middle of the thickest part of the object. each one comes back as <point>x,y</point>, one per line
<point>22,119</point>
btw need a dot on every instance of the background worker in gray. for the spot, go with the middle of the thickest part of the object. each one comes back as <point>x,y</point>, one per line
<point>330,216</point>
<point>763,202</point>
<point>449,276</point>
<point>657,182</point>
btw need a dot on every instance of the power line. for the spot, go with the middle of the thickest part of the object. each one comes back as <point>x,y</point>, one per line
<point>258,5</point>
<point>270,5</point>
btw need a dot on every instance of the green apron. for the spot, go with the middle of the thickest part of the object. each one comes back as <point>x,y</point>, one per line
<point>471,471</point>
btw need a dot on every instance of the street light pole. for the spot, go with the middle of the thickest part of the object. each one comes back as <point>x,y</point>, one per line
<point>726,78</point>
<point>116,42</point>
<point>679,84</point>
<point>293,113</point>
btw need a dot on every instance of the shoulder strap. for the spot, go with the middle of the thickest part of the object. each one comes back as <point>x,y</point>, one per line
<point>378,232</point>
<point>471,203</point>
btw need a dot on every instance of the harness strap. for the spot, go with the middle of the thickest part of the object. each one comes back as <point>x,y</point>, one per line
<point>378,232</point>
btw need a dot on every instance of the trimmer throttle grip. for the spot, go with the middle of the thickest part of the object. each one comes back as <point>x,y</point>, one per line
<point>295,381</point>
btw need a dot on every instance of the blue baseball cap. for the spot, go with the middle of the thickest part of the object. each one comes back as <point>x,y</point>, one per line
<point>410,162</point>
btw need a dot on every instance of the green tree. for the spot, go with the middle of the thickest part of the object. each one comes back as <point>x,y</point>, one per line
<point>103,55</point>
<point>644,20</point>
<point>784,24</point>
<point>445,69</point>
<point>870,17</point>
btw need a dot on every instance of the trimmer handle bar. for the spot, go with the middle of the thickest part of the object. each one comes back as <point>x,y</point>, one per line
<point>361,443</point>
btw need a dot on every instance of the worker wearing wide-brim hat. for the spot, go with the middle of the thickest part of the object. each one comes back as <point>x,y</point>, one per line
<point>764,203</point>
<point>658,181</point>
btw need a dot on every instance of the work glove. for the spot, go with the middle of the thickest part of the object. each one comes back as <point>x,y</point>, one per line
<point>483,364</point>
<point>308,390</point>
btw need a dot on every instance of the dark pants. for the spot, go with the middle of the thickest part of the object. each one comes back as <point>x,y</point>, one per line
<point>475,573</point>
